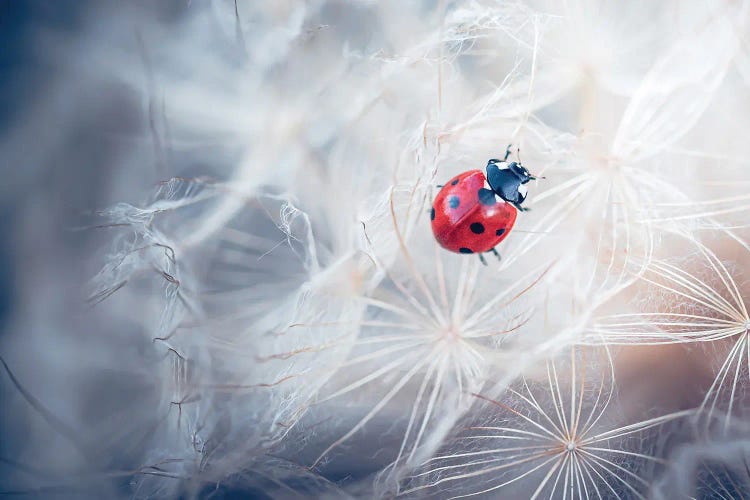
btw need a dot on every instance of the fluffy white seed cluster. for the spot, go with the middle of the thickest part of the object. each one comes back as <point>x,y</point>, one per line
<point>314,340</point>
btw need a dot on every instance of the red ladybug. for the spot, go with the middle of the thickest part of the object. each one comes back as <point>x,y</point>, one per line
<point>468,217</point>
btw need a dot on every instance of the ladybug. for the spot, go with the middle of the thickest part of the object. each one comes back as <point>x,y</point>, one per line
<point>474,212</point>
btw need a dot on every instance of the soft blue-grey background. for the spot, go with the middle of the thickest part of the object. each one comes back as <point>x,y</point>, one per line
<point>60,134</point>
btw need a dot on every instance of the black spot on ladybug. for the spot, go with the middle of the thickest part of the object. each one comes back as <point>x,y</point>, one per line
<point>432,214</point>
<point>453,201</point>
<point>465,250</point>
<point>454,182</point>
<point>477,228</point>
<point>499,232</point>
<point>486,197</point>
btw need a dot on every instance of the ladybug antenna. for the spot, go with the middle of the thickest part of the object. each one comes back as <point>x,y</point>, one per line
<point>532,177</point>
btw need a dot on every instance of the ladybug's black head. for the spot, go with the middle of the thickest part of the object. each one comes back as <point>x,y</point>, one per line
<point>520,171</point>
<point>506,180</point>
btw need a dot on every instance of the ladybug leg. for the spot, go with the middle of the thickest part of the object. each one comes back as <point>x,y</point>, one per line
<point>520,208</point>
<point>440,185</point>
<point>507,152</point>
<point>482,259</point>
<point>497,254</point>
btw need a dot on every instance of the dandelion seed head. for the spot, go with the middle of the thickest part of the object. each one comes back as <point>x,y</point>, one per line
<point>543,439</point>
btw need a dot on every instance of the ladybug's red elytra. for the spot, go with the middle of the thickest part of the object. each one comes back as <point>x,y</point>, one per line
<point>474,212</point>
